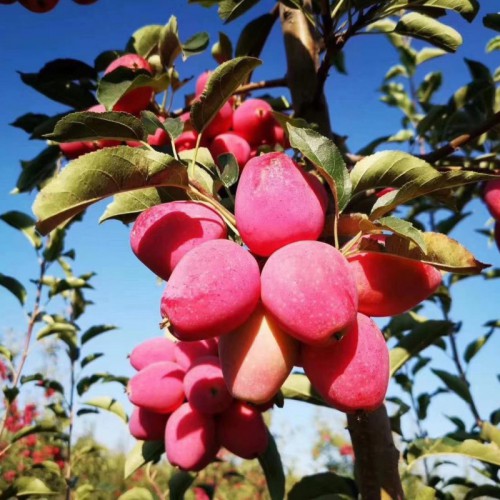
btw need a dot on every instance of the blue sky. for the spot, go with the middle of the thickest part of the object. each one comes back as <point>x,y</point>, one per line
<point>126,293</point>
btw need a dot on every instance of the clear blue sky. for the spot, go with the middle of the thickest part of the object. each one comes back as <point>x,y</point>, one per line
<point>127,294</point>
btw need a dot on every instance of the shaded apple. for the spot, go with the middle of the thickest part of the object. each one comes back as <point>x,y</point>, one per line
<point>190,439</point>
<point>157,387</point>
<point>151,351</point>
<point>254,121</point>
<point>389,285</point>
<point>205,387</point>
<point>242,431</point>
<point>257,358</point>
<point>146,425</point>
<point>186,353</point>
<point>353,373</point>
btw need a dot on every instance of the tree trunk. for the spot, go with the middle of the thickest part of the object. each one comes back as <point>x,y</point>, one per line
<point>376,456</point>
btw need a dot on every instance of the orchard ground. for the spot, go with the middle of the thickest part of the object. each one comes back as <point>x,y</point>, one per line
<point>126,293</point>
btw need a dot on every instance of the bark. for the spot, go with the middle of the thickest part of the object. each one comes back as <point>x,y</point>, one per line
<point>376,455</point>
<point>302,54</point>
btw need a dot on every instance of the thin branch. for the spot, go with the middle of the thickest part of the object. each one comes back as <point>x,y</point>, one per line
<point>462,140</point>
<point>263,84</point>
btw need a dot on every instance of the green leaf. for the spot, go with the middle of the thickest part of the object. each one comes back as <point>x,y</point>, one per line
<point>137,493</point>
<point>466,8</point>
<point>404,229</point>
<point>169,44</point>
<point>270,461</point>
<point>55,245</point>
<point>415,489</point>
<point>230,169</point>
<point>98,175</point>
<point>36,171</point>
<point>490,433</point>
<point>229,10</point>
<point>6,353</point>
<point>254,35</point>
<point>493,44</point>
<point>326,158</point>
<point>14,287</point>
<point>421,336</point>
<point>299,387</point>
<point>492,21</point>
<point>49,466</point>
<point>179,483</point>
<point>143,453</point>
<point>203,171</point>
<point>88,126</point>
<point>220,86</point>
<point>145,40</point>
<point>195,45</point>
<point>27,486</point>
<point>150,122</point>
<point>108,404</point>
<point>29,121</point>
<point>475,346</point>
<point>173,127</point>
<point>430,84</point>
<point>89,358</point>
<point>57,80</point>
<point>127,206</point>
<point>113,86</point>
<point>323,485</point>
<point>45,426</point>
<point>442,252</point>
<point>222,50</point>
<point>94,331</point>
<point>413,176</point>
<point>423,448</point>
<point>455,384</point>
<point>428,53</point>
<point>430,30</point>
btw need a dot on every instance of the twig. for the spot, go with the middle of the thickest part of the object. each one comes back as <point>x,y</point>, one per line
<point>462,140</point>
<point>263,84</point>
<point>27,342</point>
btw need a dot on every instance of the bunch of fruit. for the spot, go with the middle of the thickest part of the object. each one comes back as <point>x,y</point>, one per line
<point>491,198</point>
<point>242,131</point>
<point>302,303</point>
<point>181,397</point>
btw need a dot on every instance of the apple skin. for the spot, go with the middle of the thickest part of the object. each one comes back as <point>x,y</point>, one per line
<point>491,197</point>
<point>212,291</point>
<point>353,373</point>
<point>158,387</point>
<point>230,142</point>
<point>163,234</point>
<point>39,6</point>
<point>267,217</point>
<point>151,351</point>
<point>205,388</point>
<point>389,285</point>
<point>257,357</point>
<point>190,439</point>
<point>136,100</point>
<point>85,2</point>
<point>221,122</point>
<point>241,430</point>
<point>254,121</point>
<point>187,353</point>
<point>146,425</point>
<point>309,288</point>
<point>7,2</point>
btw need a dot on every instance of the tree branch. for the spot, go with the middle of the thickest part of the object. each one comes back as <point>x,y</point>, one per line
<point>263,84</point>
<point>462,140</point>
<point>376,456</point>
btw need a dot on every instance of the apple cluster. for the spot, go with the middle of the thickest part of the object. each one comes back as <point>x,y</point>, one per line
<point>491,198</point>
<point>284,299</point>
<point>242,131</point>
<point>180,396</point>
